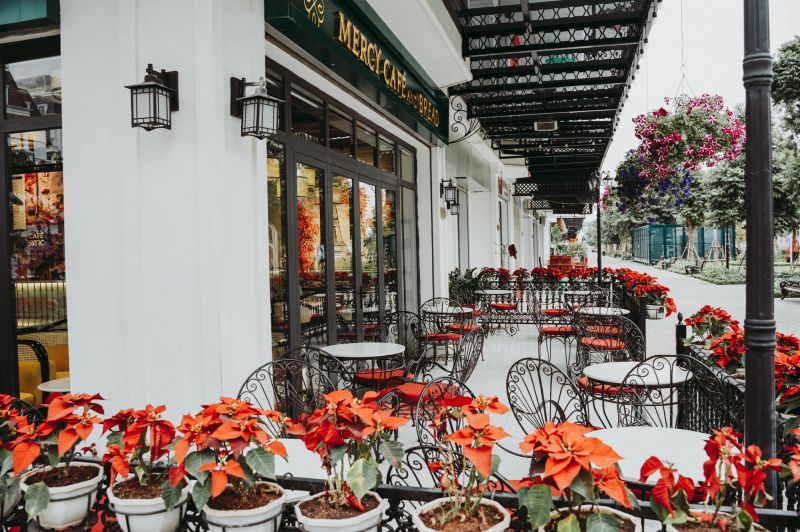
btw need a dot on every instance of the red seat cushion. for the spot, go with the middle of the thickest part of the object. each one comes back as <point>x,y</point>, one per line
<point>371,376</point>
<point>462,327</point>
<point>610,344</point>
<point>602,389</point>
<point>607,330</point>
<point>477,313</point>
<point>555,312</point>
<point>410,392</point>
<point>441,337</point>
<point>560,330</point>
<point>504,306</point>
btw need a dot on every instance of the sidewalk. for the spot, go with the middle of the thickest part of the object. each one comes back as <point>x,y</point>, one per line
<point>690,294</point>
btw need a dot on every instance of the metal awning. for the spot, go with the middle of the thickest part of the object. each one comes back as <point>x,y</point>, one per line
<point>550,79</point>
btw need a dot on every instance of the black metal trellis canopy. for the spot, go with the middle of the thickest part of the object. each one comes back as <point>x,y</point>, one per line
<point>567,62</point>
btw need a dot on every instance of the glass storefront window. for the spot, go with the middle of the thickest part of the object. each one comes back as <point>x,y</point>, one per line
<point>276,205</point>
<point>343,227</point>
<point>311,252</point>
<point>366,142</point>
<point>369,252</point>
<point>308,116</point>
<point>340,132</point>
<point>386,154</point>
<point>408,219</point>
<point>407,165</point>
<point>389,214</point>
<point>33,88</point>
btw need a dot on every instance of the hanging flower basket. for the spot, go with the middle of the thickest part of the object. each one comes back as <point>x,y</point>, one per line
<point>695,132</point>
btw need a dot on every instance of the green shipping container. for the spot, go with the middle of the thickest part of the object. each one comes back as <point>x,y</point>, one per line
<point>651,243</point>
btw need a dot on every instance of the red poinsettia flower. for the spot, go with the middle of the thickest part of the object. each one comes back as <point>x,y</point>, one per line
<point>477,440</point>
<point>669,483</point>
<point>119,462</point>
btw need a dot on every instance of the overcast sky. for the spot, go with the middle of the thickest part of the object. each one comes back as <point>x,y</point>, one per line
<point>713,52</point>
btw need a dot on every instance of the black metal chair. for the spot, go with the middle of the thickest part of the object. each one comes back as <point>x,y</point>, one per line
<point>676,391</point>
<point>539,392</point>
<point>606,338</point>
<point>441,323</point>
<point>428,407</point>
<point>289,385</point>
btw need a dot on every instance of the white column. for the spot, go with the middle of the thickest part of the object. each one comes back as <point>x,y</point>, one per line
<point>166,242</point>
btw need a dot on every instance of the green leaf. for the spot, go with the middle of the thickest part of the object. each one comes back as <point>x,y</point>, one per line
<point>569,524</point>
<point>195,460</point>
<point>660,511</point>
<point>115,438</point>
<point>171,494</point>
<point>6,462</point>
<point>248,472</point>
<point>337,454</point>
<point>262,462</point>
<point>11,491</point>
<point>602,522</point>
<point>362,477</point>
<point>539,503</point>
<point>37,497</point>
<point>141,475</point>
<point>583,485</point>
<point>52,455</point>
<point>201,493</point>
<point>744,522</point>
<point>681,505</point>
<point>392,452</point>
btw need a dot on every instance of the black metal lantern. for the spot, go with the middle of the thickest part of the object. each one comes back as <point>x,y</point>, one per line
<point>449,191</point>
<point>454,209</point>
<point>154,100</point>
<point>258,111</point>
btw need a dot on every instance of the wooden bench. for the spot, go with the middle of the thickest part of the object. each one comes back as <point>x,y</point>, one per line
<point>790,289</point>
<point>693,269</point>
<point>666,264</point>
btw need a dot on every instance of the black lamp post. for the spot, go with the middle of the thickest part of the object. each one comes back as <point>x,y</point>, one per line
<point>596,183</point>
<point>154,100</point>
<point>258,111</point>
<point>759,322</point>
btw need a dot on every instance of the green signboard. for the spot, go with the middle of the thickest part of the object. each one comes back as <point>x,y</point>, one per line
<point>350,38</point>
<point>27,13</point>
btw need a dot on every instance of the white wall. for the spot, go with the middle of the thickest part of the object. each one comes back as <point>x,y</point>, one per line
<point>165,230</point>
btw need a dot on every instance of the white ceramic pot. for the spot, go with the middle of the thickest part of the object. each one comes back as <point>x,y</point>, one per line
<point>622,516</point>
<point>131,518</point>
<point>756,526</point>
<point>655,312</point>
<point>499,527</point>
<point>262,519</point>
<point>367,521</point>
<point>69,505</point>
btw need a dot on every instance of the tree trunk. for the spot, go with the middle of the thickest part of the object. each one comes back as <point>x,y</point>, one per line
<point>691,254</point>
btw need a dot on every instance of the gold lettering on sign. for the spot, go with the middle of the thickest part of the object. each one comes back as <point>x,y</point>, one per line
<point>315,9</point>
<point>371,55</point>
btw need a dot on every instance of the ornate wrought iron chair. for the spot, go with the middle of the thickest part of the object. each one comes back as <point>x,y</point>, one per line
<point>606,339</point>
<point>539,392</point>
<point>676,391</point>
<point>552,321</point>
<point>289,385</point>
<point>441,323</point>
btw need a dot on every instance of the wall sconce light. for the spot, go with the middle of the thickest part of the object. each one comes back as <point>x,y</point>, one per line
<point>449,191</point>
<point>258,111</point>
<point>454,209</point>
<point>154,100</point>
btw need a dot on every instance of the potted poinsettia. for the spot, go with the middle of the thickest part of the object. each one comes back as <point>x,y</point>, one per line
<point>657,300</point>
<point>709,323</point>
<point>228,450</point>
<point>463,423</point>
<point>349,435</point>
<point>730,469</point>
<point>59,494</point>
<point>11,422</point>
<point>138,452</point>
<point>578,468</point>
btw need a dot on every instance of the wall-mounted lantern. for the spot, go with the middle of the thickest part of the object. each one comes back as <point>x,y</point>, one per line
<point>154,100</point>
<point>454,209</point>
<point>449,191</point>
<point>258,111</point>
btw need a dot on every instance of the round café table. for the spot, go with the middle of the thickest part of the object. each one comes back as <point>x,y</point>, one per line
<point>614,373</point>
<point>684,449</point>
<point>55,386</point>
<point>603,311</point>
<point>375,354</point>
<point>494,293</point>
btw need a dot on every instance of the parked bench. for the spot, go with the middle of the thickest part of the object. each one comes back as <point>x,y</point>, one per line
<point>694,269</point>
<point>666,264</point>
<point>790,289</point>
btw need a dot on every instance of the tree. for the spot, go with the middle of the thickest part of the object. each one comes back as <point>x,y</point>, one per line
<point>786,82</point>
<point>786,173</point>
<point>692,212</point>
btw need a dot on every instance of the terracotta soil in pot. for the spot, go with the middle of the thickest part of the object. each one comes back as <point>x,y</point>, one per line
<point>64,476</point>
<point>130,489</point>
<point>319,509</point>
<point>260,495</point>
<point>485,517</point>
<point>624,526</point>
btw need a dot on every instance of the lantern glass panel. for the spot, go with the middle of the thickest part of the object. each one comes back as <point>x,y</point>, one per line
<point>454,209</point>
<point>449,192</point>
<point>163,110</point>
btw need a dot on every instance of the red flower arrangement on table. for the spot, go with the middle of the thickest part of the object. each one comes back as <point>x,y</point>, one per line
<point>730,468</point>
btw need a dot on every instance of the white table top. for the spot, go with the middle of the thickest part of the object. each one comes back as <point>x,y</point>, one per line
<point>301,462</point>
<point>494,292</point>
<point>365,310</point>
<point>577,292</point>
<point>684,449</point>
<point>603,311</point>
<point>647,375</point>
<point>365,350</point>
<point>450,310</point>
<point>55,386</point>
